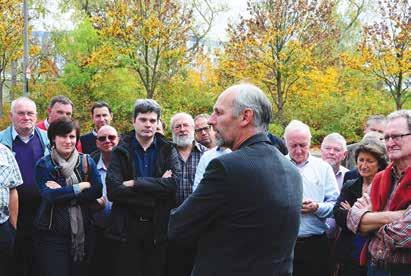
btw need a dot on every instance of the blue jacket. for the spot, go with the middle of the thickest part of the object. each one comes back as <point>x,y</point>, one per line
<point>6,138</point>
<point>48,170</point>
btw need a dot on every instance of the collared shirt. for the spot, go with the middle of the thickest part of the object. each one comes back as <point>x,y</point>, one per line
<point>340,176</point>
<point>319,185</point>
<point>10,178</point>
<point>204,160</point>
<point>145,160</point>
<point>14,134</point>
<point>188,171</point>
<point>386,244</point>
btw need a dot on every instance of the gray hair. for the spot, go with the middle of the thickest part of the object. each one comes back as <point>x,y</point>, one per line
<point>22,100</point>
<point>296,125</point>
<point>250,96</point>
<point>335,137</point>
<point>145,106</point>
<point>373,135</point>
<point>403,113</point>
<point>375,119</point>
<point>201,116</point>
<point>180,115</point>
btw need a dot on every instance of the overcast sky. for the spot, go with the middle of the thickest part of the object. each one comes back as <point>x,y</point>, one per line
<point>55,20</point>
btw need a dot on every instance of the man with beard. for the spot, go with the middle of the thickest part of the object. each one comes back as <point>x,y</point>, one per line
<point>180,258</point>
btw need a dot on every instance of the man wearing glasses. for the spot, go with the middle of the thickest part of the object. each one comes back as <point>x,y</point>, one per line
<point>385,214</point>
<point>204,133</point>
<point>28,144</point>
<point>106,139</point>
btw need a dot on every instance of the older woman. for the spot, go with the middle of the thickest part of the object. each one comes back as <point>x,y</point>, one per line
<point>371,158</point>
<point>69,184</point>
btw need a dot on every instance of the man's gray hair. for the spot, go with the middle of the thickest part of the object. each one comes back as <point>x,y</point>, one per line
<point>201,116</point>
<point>336,138</point>
<point>22,100</point>
<point>180,115</point>
<point>373,135</point>
<point>296,125</point>
<point>250,96</point>
<point>375,119</point>
<point>403,113</point>
<point>145,106</point>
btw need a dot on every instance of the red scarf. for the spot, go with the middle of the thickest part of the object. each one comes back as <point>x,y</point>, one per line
<point>380,191</point>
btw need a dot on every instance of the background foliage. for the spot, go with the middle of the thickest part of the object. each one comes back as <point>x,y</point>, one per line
<point>316,59</point>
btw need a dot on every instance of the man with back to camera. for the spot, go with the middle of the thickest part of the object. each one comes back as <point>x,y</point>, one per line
<point>244,214</point>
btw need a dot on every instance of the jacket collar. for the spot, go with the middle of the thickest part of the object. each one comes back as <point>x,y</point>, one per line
<point>256,138</point>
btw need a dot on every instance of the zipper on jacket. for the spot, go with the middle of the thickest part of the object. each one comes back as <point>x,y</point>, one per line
<point>51,216</point>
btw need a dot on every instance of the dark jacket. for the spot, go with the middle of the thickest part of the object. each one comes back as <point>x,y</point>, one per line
<point>149,197</point>
<point>350,192</point>
<point>56,201</point>
<point>244,214</point>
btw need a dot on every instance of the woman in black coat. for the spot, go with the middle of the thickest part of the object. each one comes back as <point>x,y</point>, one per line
<point>371,158</point>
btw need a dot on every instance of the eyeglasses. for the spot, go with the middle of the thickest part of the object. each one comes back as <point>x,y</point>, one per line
<point>180,126</point>
<point>206,129</point>
<point>395,137</point>
<point>104,138</point>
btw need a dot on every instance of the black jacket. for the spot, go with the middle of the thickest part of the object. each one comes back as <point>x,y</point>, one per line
<point>244,214</point>
<point>350,192</point>
<point>149,197</point>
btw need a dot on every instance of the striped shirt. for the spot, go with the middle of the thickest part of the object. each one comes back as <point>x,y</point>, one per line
<point>10,178</point>
<point>391,243</point>
<point>188,171</point>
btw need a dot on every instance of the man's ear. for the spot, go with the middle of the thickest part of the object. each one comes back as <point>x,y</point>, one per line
<point>247,116</point>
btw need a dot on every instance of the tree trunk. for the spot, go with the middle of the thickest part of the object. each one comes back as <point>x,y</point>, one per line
<point>1,99</point>
<point>13,79</point>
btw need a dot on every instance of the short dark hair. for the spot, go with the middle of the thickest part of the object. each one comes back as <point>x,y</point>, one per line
<point>145,106</point>
<point>374,147</point>
<point>62,126</point>
<point>100,105</point>
<point>60,99</point>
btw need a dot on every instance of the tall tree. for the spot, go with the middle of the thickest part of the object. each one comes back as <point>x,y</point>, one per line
<point>11,39</point>
<point>386,49</point>
<point>153,38</point>
<point>275,44</point>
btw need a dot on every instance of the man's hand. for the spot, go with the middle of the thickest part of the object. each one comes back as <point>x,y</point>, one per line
<point>52,185</point>
<point>364,202</point>
<point>128,183</point>
<point>345,205</point>
<point>84,185</point>
<point>309,207</point>
<point>167,174</point>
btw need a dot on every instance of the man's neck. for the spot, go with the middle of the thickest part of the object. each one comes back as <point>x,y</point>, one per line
<point>24,132</point>
<point>403,164</point>
<point>246,135</point>
<point>185,151</point>
<point>106,158</point>
<point>145,142</point>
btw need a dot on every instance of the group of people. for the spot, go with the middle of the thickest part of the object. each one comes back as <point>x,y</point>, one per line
<point>222,197</point>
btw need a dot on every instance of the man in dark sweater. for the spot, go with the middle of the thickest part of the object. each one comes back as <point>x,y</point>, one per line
<point>28,144</point>
<point>101,115</point>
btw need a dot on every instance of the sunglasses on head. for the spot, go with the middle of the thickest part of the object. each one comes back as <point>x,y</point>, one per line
<point>104,138</point>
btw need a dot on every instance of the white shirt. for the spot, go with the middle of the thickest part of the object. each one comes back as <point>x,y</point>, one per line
<point>203,163</point>
<point>319,185</point>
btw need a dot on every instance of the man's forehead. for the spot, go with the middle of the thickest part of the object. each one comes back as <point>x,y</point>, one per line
<point>398,124</point>
<point>201,121</point>
<point>334,144</point>
<point>148,115</point>
<point>25,105</point>
<point>62,106</point>
<point>101,110</point>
